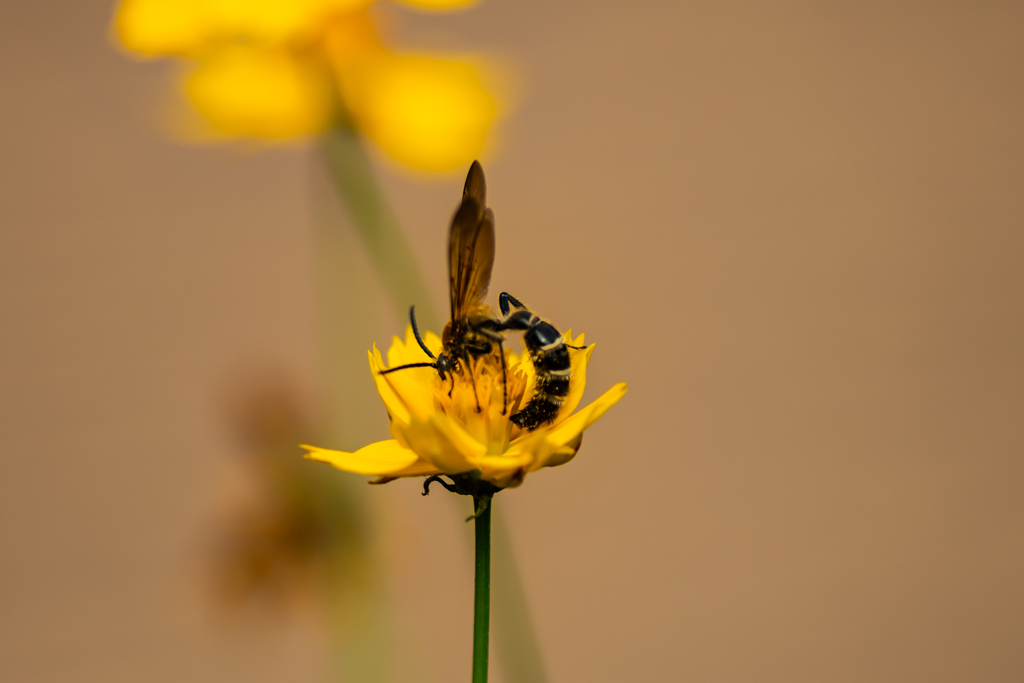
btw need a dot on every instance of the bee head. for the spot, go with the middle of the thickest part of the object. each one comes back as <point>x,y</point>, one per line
<point>443,365</point>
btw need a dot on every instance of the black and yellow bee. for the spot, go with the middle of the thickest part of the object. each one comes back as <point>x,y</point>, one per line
<point>474,331</point>
<point>550,356</point>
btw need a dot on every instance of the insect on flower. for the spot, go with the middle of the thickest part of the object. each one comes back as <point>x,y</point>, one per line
<point>464,405</point>
<point>474,331</point>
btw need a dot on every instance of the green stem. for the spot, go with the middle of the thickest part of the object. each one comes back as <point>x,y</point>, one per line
<point>482,593</point>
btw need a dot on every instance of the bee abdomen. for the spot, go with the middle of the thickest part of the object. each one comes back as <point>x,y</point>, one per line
<point>553,369</point>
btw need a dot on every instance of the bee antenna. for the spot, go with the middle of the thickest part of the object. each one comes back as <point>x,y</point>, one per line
<point>416,331</point>
<point>410,365</point>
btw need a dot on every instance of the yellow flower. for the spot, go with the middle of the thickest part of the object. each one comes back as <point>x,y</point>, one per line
<point>279,69</point>
<point>438,428</point>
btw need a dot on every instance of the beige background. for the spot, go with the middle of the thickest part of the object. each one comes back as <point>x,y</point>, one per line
<point>796,229</point>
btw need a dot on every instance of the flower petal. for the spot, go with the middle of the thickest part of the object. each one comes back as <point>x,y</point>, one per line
<point>500,470</point>
<point>429,113</point>
<point>521,367</point>
<point>161,27</point>
<point>260,92</point>
<point>440,441</point>
<point>440,5</point>
<point>381,458</point>
<point>412,387</point>
<point>578,359</point>
<point>276,20</point>
<point>564,440</point>
<point>392,401</point>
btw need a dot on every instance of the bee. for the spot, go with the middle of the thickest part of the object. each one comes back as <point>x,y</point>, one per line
<point>474,331</point>
<point>550,356</point>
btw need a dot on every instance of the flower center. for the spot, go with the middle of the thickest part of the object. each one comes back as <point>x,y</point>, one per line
<point>481,396</point>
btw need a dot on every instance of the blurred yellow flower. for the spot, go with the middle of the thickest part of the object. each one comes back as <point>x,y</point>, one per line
<point>278,69</point>
<point>438,429</point>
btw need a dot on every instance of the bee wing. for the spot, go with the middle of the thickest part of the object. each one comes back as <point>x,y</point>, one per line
<point>470,255</point>
<point>475,186</point>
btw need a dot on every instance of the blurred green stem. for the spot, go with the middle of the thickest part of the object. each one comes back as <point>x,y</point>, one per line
<point>482,590</point>
<point>377,226</point>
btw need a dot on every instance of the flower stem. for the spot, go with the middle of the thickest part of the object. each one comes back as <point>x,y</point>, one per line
<point>482,594</point>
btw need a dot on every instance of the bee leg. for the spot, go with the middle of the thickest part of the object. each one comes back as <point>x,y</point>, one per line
<point>578,348</point>
<point>504,299</point>
<point>472,380</point>
<point>491,329</point>
<point>504,379</point>
<point>409,365</point>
